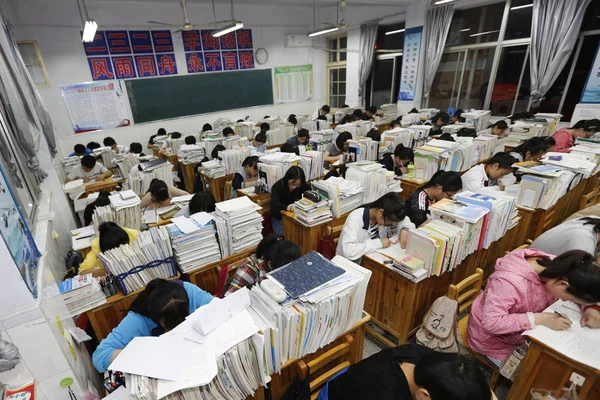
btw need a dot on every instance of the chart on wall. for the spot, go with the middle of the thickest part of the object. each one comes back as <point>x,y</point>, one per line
<point>96,105</point>
<point>591,91</point>
<point>17,237</point>
<point>410,63</point>
<point>293,83</point>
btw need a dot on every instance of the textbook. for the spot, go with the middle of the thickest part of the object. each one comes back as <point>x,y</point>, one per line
<point>196,248</point>
<point>372,177</point>
<point>310,214</point>
<point>243,224</point>
<point>344,195</point>
<point>468,212</point>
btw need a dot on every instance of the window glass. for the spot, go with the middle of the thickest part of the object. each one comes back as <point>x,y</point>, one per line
<point>591,20</point>
<point>476,78</point>
<point>507,79</point>
<point>476,25</point>
<point>332,46</point>
<point>343,45</point>
<point>444,89</point>
<point>382,84</point>
<point>519,20</point>
<point>390,42</point>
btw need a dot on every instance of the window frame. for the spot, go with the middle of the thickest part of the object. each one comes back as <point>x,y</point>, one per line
<point>336,65</point>
<point>40,60</point>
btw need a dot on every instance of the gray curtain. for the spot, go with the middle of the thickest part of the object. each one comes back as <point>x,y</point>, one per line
<point>554,32</point>
<point>368,37</point>
<point>436,32</point>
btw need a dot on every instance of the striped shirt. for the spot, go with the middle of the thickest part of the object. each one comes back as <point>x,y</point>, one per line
<point>418,207</point>
<point>374,231</point>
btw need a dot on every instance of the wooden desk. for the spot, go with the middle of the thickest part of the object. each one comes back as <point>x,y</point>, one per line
<point>263,200</point>
<point>305,237</point>
<point>215,185</point>
<point>189,176</point>
<point>409,186</point>
<point>383,127</point>
<point>108,184</point>
<point>546,369</point>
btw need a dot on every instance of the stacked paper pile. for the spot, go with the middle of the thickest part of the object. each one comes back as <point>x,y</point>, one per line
<point>272,167</point>
<point>313,164</point>
<point>233,159</point>
<point>140,182</point>
<point>244,223</point>
<point>390,111</point>
<point>454,128</point>
<point>275,137</point>
<point>301,119</point>
<point>363,149</point>
<point>309,213</point>
<point>214,169</point>
<point>320,139</point>
<point>412,137</point>
<point>479,118</point>
<point>391,183</point>
<point>222,123</point>
<point>543,185</point>
<point>314,126</point>
<point>485,145</point>
<point>107,155</point>
<point>352,127</point>
<point>126,163</point>
<point>233,142</point>
<point>414,119</point>
<point>194,241</point>
<point>522,131</point>
<point>245,129</point>
<point>79,294</point>
<point>124,210</point>
<point>344,195</point>
<point>450,156</point>
<point>553,121</point>
<point>591,152</point>
<point>580,160</point>
<point>69,162</point>
<point>273,122</point>
<point>210,143</point>
<point>429,112</point>
<point>74,188</point>
<point>372,177</point>
<point>192,156</point>
<point>340,114</point>
<point>159,141</point>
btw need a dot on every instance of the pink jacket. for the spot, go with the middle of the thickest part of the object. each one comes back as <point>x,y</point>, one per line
<point>499,314</point>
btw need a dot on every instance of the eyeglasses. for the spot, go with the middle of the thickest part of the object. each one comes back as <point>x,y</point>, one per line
<point>295,185</point>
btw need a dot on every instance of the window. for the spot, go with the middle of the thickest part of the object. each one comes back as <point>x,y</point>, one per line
<point>476,25</point>
<point>384,82</point>
<point>511,88</point>
<point>519,20</point>
<point>30,52</point>
<point>336,71</point>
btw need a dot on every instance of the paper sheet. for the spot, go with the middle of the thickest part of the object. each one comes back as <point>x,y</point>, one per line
<point>185,225</point>
<point>395,252</point>
<point>218,311</point>
<point>119,394</point>
<point>202,218</point>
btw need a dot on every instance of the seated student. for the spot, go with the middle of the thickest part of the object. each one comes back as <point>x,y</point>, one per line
<point>565,137</point>
<point>484,177</point>
<point>160,132</point>
<point>371,113</point>
<point>396,123</point>
<point>497,128</point>
<point>550,143</point>
<point>374,134</point>
<point>323,111</point>
<point>227,132</point>
<point>264,127</point>
<point>410,372</point>
<point>440,119</point>
<point>442,185</point>
<point>466,132</point>
<point>101,200</point>
<point>524,284</point>
<point>214,154</point>
<point>374,226</point>
<point>245,176</point>
<point>167,143</point>
<point>302,138</point>
<point>159,308</point>
<point>201,201</point>
<point>447,136</point>
<point>530,150</point>
<point>398,162</point>
<point>358,114</point>
<point>80,150</point>
<point>520,116</point>
<point>239,120</point>
<point>347,119</point>
<point>271,253</point>
<point>294,121</point>
<point>206,127</point>
<point>136,148</point>
<point>284,193</point>
<point>89,170</point>
<point>289,148</point>
<point>190,144</point>
<point>110,142</point>
<point>337,171</point>
<point>413,111</point>
<point>457,117</point>
<point>160,194</point>
<point>110,235</point>
<point>576,234</point>
<point>335,149</point>
<point>260,142</point>
<point>93,146</point>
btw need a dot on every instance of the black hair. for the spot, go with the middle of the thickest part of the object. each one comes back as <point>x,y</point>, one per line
<point>404,153</point>
<point>303,133</point>
<point>345,106</point>
<point>592,221</point>
<point>159,190</point>
<point>265,127</point>
<point>251,162</point>
<point>161,132</point>
<point>266,116</point>
<point>228,131</point>
<point>280,253</point>
<point>357,113</point>
<point>261,137</point>
<point>102,200</point>
<point>466,132</point>
<point>587,125</point>
<point>293,120</point>
<point>165,302</point>
<point>176,135</point>
<point>206,127</point>
<point>79,149</point>
<point>190,139</point>
<point>395,123</point>
<point>348,118</point>
<point>549,141</point>
<point>458,113</point>
<point>521,115</point>
<point>88,161</point>
<point>393,207</point>
<point>374,134</point>
<point>215,152</point>
<point>202,201</point>
<point>322,118</point>
<point>504,160</point>
<point>290,148</point>
<point>266,243</point>
<point>441,116</point>
<point>108,141</point>
<point>447,136</point>
<point>450,181</point>
<point>294,173</point>
<point>326,108</point>
<point>501,124</point>
<point>136,148</point>
<point>577,267</point>
<point>239,120</point>
<point>336,171</point>
<point>342,138</point>
<point>292,116</point>
<point>372,109</point>
<point>413,111</point>
<point>111,236</point>
<point>451,376</point>
<point>534,146</point>
<point>93,145</point>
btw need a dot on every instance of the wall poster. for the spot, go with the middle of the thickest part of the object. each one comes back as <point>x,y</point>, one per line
<point>591,91</point>
<point>410,63</point>
<point>293,83</point>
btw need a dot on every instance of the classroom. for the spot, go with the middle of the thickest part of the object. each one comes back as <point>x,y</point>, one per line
<point>313,199</point>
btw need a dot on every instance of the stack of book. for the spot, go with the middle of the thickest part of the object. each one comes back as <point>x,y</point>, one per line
<point>485,146</point>
<point>454,128</point>
<point>126,163</point>
<point>107,156</point>
<point>79,294</point>
<point>411,268</point>
<point>276,136</point>
<point>74,189</point>
<point>479,118</point>
<point>245,129</point>
<point>372,177</point>
<point>521,131</point>
<point>313,164</point>
<point>392,184</point>
<point>344,195</point>
<point>159,141</point>
<point>192,156</point>
<point>221,123</point>
<point>390,111</point>
<point>314,126</point>
<point>210,143</point>
<point>244,223</point>
<point>456,156</point>
<point>234,142</point>
<point>413,137</point>
<point>363,149</point>
<point>69,162</point>
<point>543,185</point>
<point>272,167</point>
<point>553,121</point>
<point>581,160</point>
<point>124,210</point>
<point>320,139</point>
<point>140,182</point>
<point>273,122</point>
<point>352,127</point>
<point>309,213</point>
<point>233,159</point>
<point>214,169</point>
<point>429,112</point>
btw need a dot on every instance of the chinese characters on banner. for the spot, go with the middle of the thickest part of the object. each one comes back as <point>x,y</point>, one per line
<point>205,53</point>
<point>410,63</point>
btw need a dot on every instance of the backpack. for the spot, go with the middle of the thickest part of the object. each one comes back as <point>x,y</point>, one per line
<point>72,261</point>
<point>439,326</point>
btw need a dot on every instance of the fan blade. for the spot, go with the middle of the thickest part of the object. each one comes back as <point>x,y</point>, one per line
<point>164,23</point>
<point>178,30</point>
<point>228,21</point>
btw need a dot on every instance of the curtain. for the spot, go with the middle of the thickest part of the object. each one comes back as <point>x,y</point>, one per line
<point>436,32</point>
<point>554,31</point>
<point>368,37</point>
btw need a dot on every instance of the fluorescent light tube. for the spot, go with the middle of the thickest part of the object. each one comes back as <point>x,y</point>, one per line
<point>519,7</point>
<point>443,1</point>
<point>89,31</point>
<point>393,32</point>
<point>323,31</point>
<point>227,29</point>
<point>483,33</point>
<point>465,30</point>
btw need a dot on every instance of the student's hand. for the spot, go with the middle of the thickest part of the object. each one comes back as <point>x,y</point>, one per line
<point>290,207</point>
<point>404,170</point>
<point>553,321</point>
<point>502,187</point>
<point>386,242</point>
<point>99,178</point>
<point>591,318</point>
<point>86,180</point>
<point>403,238</point>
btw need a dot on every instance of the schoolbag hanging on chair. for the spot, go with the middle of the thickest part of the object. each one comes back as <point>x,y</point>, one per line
<point>439,326</point>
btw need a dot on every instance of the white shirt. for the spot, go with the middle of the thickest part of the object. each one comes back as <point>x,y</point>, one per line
<point>78,173</point>
<point>474,180</point>
<point>317,113</point>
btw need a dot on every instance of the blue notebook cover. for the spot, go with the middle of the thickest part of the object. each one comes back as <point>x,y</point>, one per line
<point>306,273</point>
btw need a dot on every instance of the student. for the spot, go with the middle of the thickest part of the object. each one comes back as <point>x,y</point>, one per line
<point>396,123</point>
<point>348,119</point>
<point>410,372</point>
<point>398,162</point>
<point>201,201</point>
<point>520,116</point>
<point>565,137</point>
<point>447,136</point>
<point>245,176</point>
<point>264,127</point>
<point>576,234</point>
<point>271,253</point>
<point>88,213</point>
<point>442,185</point>
<point>289,148</point>
<point>239,120</point>
<point>413,111</point>
<point>136,148</point>
<point>457,117</point>
<point>358,114</point>
<point>524,284</point>
<point>214,154</point>
<point>301,139</point>
<point>440,119</point>
<point>294,121</point>
<point>371,113</point>
<point>88,170</point>
<point>80,150</point>
<point>530,150</point>
<point>284,193</point>
<point>550,143</point>
<point>374,134</point>
<point>111,236</point>
<point>167,143</point>
<point>260,142</point>
<point>345,106</point>
<point>93,146</point>
<point>160,194</point>
<point>110,142</point>
<point>323,111</point>
<point>374,226</point>
<point>190,144</point>
<point>159,308</point>
<point>333,150</point>
<point>160,132</point>
<point>498,128</point>
<point>206,127</point>
<point>227,132</point>
<point>484,177</point>
<point>466,132</point>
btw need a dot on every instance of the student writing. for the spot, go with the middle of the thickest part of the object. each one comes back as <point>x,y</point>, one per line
<point>80,150</point>
<point>160,194</point>
<point>159,308</point>
<point>284,193</point>
<point>442,185</point>
<point>498,128</point>
<point>333,150</point>
<point>484,177</point>
<point>440,119</point>
<point>111,236</point>
<point>322,112</point>
<point>260,142</point>
<point>399,160</point>
<point>565,137</point>
<point>160,132</point>
<point>201,201</point>
<point>89,170</point>
<point>301,139</point>
<point>246,175</point>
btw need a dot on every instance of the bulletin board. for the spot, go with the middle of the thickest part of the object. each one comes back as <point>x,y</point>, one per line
<point>293,83</point>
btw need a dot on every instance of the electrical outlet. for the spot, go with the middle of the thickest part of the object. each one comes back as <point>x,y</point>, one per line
<point>577,379</point>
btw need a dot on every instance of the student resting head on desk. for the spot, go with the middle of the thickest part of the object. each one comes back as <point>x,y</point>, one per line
<point>374,226</point>
<point>110,142</point>
<point>484,177</point>
<point>160,194</point>
<point>271,253</point>
<point>565,137</point>
<point>530,150</point>
<point>264,127</point>
<point>284,193</point>
<point>159,308</point>
<point>398,162</point>
<point>227,131</point>
<point>167,143</point>
<point>160,132</point>
<point>260,142</point>
<point>88,170</point>
<point>437,121</point>
<point>203,201</point>
<point>80,150</point>
<point>457,117</point>
<point>333,150</point>
<point>245,176</point>
<point>410,372</point>
<point>101,200</point>
<point>93,146</point>
<point>524,284</point>
<point>111,235</point>
<point>371,113</point>
<point>442,185</point>
<point>206,127</point>
<point>215,152</point>
<point>497,128</point>
<point>396,123</point>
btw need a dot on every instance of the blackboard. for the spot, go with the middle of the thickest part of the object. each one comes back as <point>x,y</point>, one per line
<point>155,99</point>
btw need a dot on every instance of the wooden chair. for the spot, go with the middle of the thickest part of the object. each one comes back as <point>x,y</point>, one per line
<point>318,374</point>
<point>227,191</point>
<point>589,199</point>
<point>523,246</point>
<point>335,232</point>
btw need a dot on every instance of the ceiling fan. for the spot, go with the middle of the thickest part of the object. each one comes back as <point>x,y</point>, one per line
<point>340,24</point>
<point>187,25</point>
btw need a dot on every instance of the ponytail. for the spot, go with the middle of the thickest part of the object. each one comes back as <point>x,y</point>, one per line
<point>392,205</point>
<point>592,221</point>
<point>501,124</point>
<point>165,302</point>
<point>450,181</point>
<point>579,269</point>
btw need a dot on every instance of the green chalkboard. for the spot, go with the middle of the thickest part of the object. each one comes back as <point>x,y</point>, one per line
<point>155,99</point>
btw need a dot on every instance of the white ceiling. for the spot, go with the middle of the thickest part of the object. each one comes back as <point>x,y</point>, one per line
<point>301,3</point>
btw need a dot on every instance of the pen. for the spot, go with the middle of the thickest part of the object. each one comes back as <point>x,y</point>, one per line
<point>560,315</point>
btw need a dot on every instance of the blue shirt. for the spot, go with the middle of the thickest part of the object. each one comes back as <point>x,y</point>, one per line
<point>134,325</point>
<point>87,153</point>
<point>293,141</point>
<point>262,148</point>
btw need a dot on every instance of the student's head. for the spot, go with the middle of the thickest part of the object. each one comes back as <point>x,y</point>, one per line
<point>303,136</point>
<point>176,135</point>
<point>440,119</point>
<point>93,145</point>
<point>202,201</point>
<point>190,139</point>
<point>265,127</point>
<point>466,132</point>
<point>374,134</point>
<point>358,114</point>
<point>250,165</point>
<point>159,191</point>
<point>403,155</point>
<point>449,376</point>
<point>550,143</point>
<point>325,109</point>
<point>586,128</point>
<point>206,127</point>
<point>239,120</point>
<point>228,132</point>
<point>294,178</point>
<point>136,148</point>
<point>112,236</point>
<point>521,115</point>
<point>389,209</point>
<point>348,118</point>
<point>498,128</point>
<point>290,148</point>
<point>260,139</point>
<point>396,123</point>
<point>165,302</point>
<point>342,140</point>
<point>499,165</point>
<point>109,142</point>
<point>413,111</point>
<point>101,201</point>
<point>291,116</point>
<point>215,152</point>
<point>457,116</point>
<point>371,111</point>
<point>266,243</point>
<point>161,132</point>
<point>88,163</point>
<point>447,136</point>
<point>280,253</point>
<point>572,276</point>
<point>266,116</point>
<point>79,150</point>
<point>293,120</point>
<point>532,149</point>
<point>443,185</point>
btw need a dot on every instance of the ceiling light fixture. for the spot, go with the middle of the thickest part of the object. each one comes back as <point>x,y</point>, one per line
<point>323,31</point>
<point>519,7</point>
<point>394,32</point>
<point>483,33</point>
<point>229,28</point>
<point>443,1</point>
<point>465,30</point>
<point>90,26</point>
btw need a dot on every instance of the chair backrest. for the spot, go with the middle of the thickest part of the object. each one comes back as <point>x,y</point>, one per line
<point>589,199</point>
<point>316,367</point>
<point>227,192</point>
<point>335,232</point>
<point>465,291</point>
<point>524,246</point>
